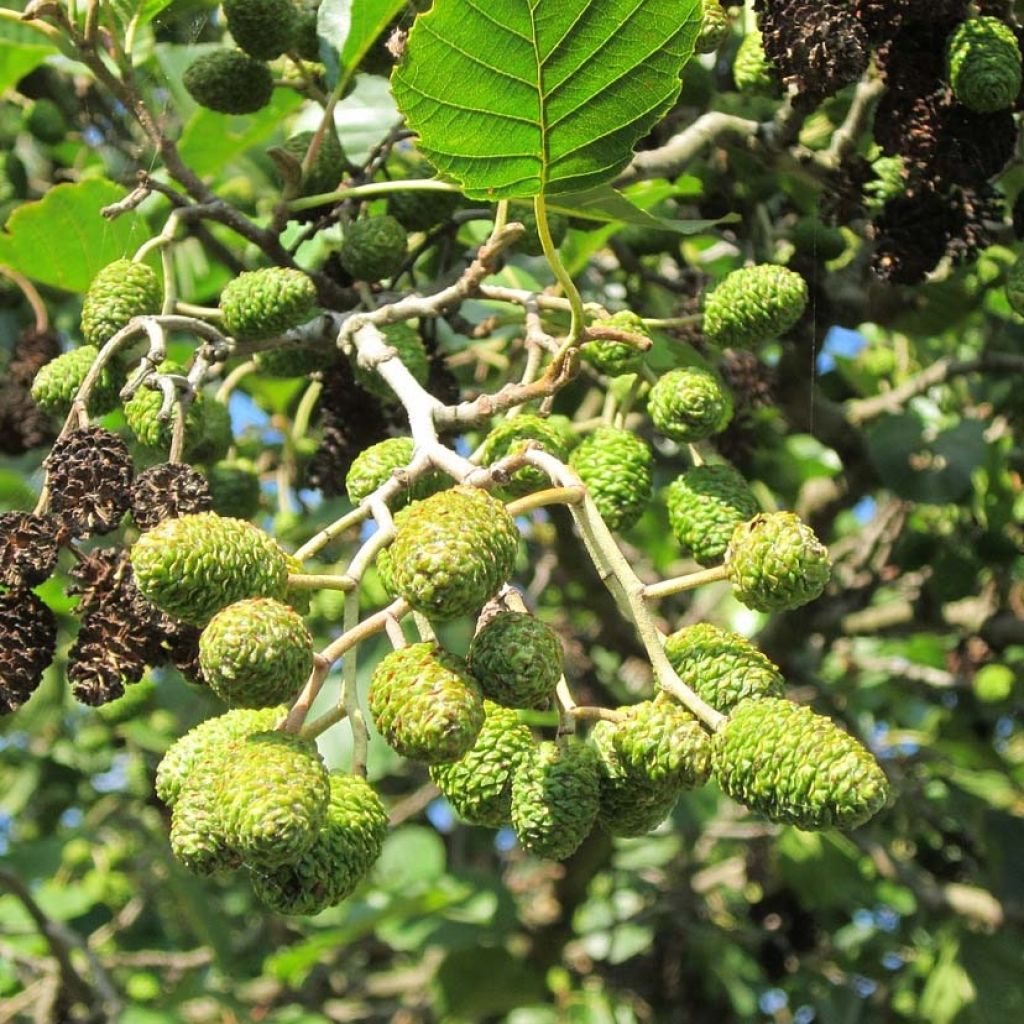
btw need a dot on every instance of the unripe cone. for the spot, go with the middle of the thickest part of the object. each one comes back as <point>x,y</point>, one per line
<point>690,404</point>
<point>425,703</point>
<point>373,248</point>
<point>198,840</point>
<point>142,414</point>
<point>794,766</point>
<point>509,437</point>
<point>329,164</point>
<point>751,69</point>
<point>229,81</point>
<point>265,303</point>
<point>57,382</point>
<point>234,488</point>
<point>753,305</point>
<point>517,660</point>
<point>374,466</point>
<point>776,562</point>
<point>1014,289</point>
<point>345,849</point>
<point>452,552</point>
<point>216,437</point>
<point>555,798</point>
<point>410,350</point>
<point>262,28</point>
<point>705,505</point>
<point>985,65</point>
<point>530,243</point>
<point>616,357</point>
<point>120,291</point>
<point>256,653</point>
<point>714,29</point>
<point>193,566</point>
<point>618,470</point>
<point>479,784</point>
<point>722,668</point>
<point>294,360</point>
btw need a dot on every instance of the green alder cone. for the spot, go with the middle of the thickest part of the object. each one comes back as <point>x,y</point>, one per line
<point>722,668</point>
<point>753,305</point>
<point>452,552</point>
<point>342,855</point>
<point>261,28</point>
<point>45,121</point>
<point>751,69</point>
<point>272,796</point>
<point>374,466</point>
<point>509,437</point>
<point>705,505</point>
<point>714,29</point>
<point>329,165</point>
<point>984,65</point>
<point>479,784</point>
<point>690,404</point>
<point>530,243</point>
<point>304,41</point>
<point>229,82</point>
<point>234,488</point>
<point>264,303</point>
<point>409,348</point>
<point>1014,292</point>
<point>425,703</point>
<point>812,238</point>
<point>193,566</point>
<point>217,436</point>
<point>517,660</point>
<point>776,562</point>
<point>57,382</point>
<point>120,291</point>
<point>555,798</point>
<point>256,653</point>
<point>618,470</point>
<point>422,209</point>
<point>616,357</point>
<point>197,837</point>
<point>794,766</point>
<point>373,248</point>
<point>293,360</point>
<point>175,767</point>
<point>142,414</point>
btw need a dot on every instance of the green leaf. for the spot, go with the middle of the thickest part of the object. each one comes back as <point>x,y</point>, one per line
<point>22,49</point>
<point>948,988</point>
<point>605,205</point>
<point>62,240</point>
<point>541,96</point>
<point>347,30</point>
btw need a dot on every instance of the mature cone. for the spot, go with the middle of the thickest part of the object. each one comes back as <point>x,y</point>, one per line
<point>32,351</point>
<point>272,797</point>
<point>166,491</point>
<point>28,549</point>
<point>555,798</point>
<point>229,81</point>
<point>425,703</point>
<point>110,652</point>
<point>328,166</point>
<point>373,248</point>
<point>193,566</point>
<point>264,303</point>
<point>479,784</point>
<point>120,291</point>
<point>794,766</point>
<point>142,412</point>
<point>342,855</point>
<point>57,383</point>
<point>722,668</point>
<point>374,466</point>
<point>752,71</point>
<point>256,653</point>
<point>234,488</point>
<point>262,28</point>
<point>912,233</point>
<point>618,470</point>
<point>517,660</point>
<point>28,639</point>
<point>753,305</point>
<point>89,477</point>
<point>23,425</point>
<point>690,404</point>
<point>1015,286</point>
<point>198,837</point>
<point>617,357</point>
<point>985,65</point>
<point>509,437</point>
<point>409,349</point>
<point>452,551</point>
<point>776,562</point>
<point>714,29</point>
<point>176,766</point>
<point>705,505</point>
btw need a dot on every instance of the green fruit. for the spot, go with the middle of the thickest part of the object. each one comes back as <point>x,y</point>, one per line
<point>690,404</point>
<point>120,291</point>
<point>345,849</point>
<point>374,466</point>
<point>294,360</point>
<point>142,414</point>
<point>479,784</point>
<point>776,562</point>
<point>889,181</point>
<point>234,488</point>
<point>193,566</point>
<point>272,796</point>
<point>265,303</point>
<point>198,839</point>
<point>409,348</point>
<point>262,28</point>
<point>558,226</point>
<point>517,660</point>
<point>420,209</point>
<point>425,703</point>
<point>984,65</point>
<point>794,766</point>
<point>1014,293</point>
<point>452,551</point>
<point>373,248</point>
<point>752,71</point>
<point>705,505</point>
<point>229,81</point>
<point>45,122</point>
<point>753,305</point>
<point>305,40</point>
<point>722,668</point>
<point>176,766</point>
<point>555,798</point>
<point>217,437</point>
<point>812,238</point>
<point>328,167</point>
<point>616,357</point>
<point>57,382</point>
<point>714,29</point>
<point>618,470</point>
<point>562,425</point>
<point>256,653</point>
<point>509,437</point>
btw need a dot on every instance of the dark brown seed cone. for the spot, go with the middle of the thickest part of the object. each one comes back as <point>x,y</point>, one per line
<point>167,491</point>
<point>89,475</point>
<point>23,425</point>
<point>751,382</point>
<point>881,19</point>
<point>28,548</point>
<point>973,215</point>
<point>973,148</point>
<point>109,653</point>
<point>28,638</point>
<point>33,351</point>
<point>182,643</point>
<point>911,233</point>
<point>98,577</point>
